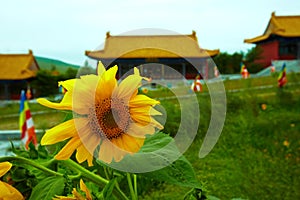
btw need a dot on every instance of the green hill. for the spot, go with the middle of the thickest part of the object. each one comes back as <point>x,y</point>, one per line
<point>50,64</point>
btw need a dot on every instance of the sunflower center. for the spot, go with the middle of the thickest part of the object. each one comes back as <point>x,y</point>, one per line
<point>109,118</point>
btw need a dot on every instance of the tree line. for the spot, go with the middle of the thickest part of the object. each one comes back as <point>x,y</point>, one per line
<point>231,63</point>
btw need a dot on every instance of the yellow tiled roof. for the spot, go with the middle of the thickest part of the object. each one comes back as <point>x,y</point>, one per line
<point>17,66</point>
<point>151,46</point>
<point>285,26</point>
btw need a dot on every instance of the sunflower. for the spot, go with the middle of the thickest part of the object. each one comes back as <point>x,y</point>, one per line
<point>110,119</point>
<point>7,191</point>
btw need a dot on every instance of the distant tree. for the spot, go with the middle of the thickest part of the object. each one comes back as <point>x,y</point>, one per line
<point>69,74</point>
<point>231,63</point>
<point>53,67</point>
<point>227,63</point>
<point>86,69</point>
<point>251,57</point>
<point>45,83</point>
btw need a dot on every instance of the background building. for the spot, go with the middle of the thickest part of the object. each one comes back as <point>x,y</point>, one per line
<point>153,53</point>
<point>280,41</point>
<point>16,72</point>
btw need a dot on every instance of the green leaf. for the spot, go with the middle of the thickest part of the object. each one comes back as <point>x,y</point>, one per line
<point>42,151</point>
<point>19,152</point>
<point>48,188</point>
<point>69,115</point>
<point>33,153</point>
<point>18,174</point>
<point>179,172</point>
<point>160,152</point>
<point>108,189</point>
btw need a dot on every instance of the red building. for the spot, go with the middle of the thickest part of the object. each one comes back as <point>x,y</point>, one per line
<point>280,41</point>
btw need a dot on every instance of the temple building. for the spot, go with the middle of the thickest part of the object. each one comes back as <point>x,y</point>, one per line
<point>157,56</point>
<point>16,72</point>
<point>280,41</point>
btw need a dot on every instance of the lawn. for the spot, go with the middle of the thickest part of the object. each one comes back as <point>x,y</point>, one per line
<point>257,155</point>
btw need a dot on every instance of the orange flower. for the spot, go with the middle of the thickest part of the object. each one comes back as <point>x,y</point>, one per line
<point>263,106</point>
<point>286,143</point>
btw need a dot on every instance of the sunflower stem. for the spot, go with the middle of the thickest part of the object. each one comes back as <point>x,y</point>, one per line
<point>135,184</point>
<point>132,193</point>
<point>106,173</point>
<point>84,172</point>
<point>90,176</point>
<point>121,192</point>
<point>32,163</point>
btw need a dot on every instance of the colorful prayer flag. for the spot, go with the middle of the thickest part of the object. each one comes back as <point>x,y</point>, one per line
<point>196,85</point>
<point>244,71</point>
<point>282,80</point>
<point>26,123</point>
<point>216,72</point>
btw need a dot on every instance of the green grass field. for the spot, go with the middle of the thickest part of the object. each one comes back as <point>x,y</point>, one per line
<point>257,155</point>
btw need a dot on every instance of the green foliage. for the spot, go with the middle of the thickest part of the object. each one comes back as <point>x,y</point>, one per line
<point>256,157</point>
<point>231,63</point>
<point>48,188</point>
<point>85,71</point>
<point>45,83</point>
<point>227,63</point>
<point>108,189</point>
<point>180,172</point>
<point>253,55</point>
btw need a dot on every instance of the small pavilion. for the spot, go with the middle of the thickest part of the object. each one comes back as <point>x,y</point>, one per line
<point>280,41</point>
<point>152,53</point>
<point>16,71</point>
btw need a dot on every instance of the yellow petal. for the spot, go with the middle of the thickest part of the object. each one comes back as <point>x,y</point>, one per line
<point>63,198</point>
<point>68,149</point>
<point>139,131</point>
<point>60,133</point>
<point>100,68</point>
<point>106,151</point>
<point>77,195</point>
<point>90,160</point>
<point>82,154</point>
<point>64,105</point>
<point>132,144</point>
<point>4,167</point>
<point>8,192</point>
<point>128,87</point>
<point>90,143</point>
<point>141,101</point>
<point>107,84</point>
<point>84,93</point>
<point>145,120</point>
<point>66,102</point>
<point>136,71</point>
<point>118,152</point>
<point>68,84</point>
<point>85,151</point>
<point>86,190</point>
<point>145,110</point>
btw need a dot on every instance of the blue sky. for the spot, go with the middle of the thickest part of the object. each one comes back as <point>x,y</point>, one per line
<point>64,29</point>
